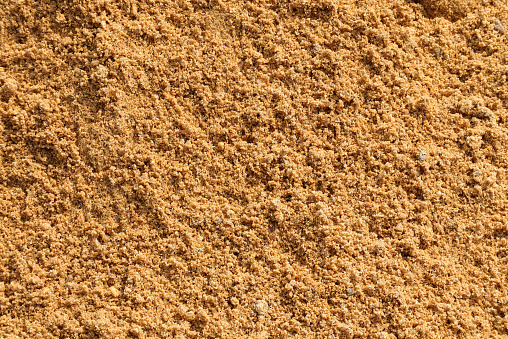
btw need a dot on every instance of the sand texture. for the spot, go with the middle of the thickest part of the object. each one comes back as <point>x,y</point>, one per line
<point>253,169</point>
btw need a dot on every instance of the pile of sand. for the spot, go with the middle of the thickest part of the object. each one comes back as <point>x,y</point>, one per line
<point>253,169</point>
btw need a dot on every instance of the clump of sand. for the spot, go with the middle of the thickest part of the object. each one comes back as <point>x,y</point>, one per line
<point>449,9</point>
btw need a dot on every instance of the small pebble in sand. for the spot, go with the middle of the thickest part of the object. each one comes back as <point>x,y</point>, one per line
<point>44,106</point>
<point>261,306</point>
<point>422,155</point>
<point>279,217</point>
<point>350,291</point>
<point>500,28</point>
<point>399,228</point>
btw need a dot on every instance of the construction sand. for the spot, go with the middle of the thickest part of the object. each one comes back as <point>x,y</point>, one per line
<point>253,169</point>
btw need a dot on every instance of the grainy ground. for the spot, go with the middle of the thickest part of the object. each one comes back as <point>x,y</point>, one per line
<point>253,169</point>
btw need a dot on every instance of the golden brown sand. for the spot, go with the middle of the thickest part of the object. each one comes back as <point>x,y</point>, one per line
<point>253,169</point>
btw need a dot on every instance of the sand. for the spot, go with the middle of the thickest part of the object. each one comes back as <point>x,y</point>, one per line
<point>253,169</point>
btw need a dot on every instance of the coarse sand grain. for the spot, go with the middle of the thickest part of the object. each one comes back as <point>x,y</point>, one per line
<point>253,169</point>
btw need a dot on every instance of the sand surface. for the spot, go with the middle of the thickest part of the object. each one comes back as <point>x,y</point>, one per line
<point>253,169</point>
